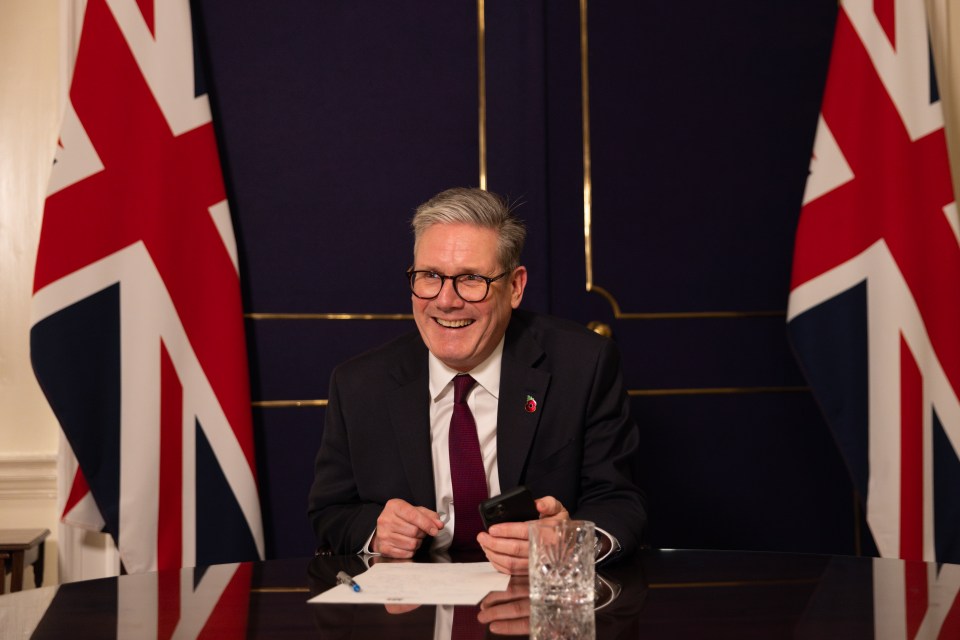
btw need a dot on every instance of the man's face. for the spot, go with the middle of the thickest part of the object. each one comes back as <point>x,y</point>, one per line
<point>462,334</point>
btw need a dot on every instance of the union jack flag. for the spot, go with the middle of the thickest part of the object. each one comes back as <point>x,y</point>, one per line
<point>874,310</point>
<point>137,337</point>
<point>915,600</point>
<point>206,602</point>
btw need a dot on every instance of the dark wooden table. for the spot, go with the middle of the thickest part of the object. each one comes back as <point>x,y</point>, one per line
<point>24,547</point>
<point>658,594</point>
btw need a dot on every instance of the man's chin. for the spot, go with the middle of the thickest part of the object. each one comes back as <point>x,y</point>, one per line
<point>459,359</point>
<point>460,364</point>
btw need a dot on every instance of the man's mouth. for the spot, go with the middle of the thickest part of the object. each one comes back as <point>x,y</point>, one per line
<point>453,324</point>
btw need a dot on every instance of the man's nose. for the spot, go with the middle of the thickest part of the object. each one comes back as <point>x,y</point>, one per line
<point>448,295</point>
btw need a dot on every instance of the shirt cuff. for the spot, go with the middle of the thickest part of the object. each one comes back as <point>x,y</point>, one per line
<point>611,550</point>
<point>367,550</point>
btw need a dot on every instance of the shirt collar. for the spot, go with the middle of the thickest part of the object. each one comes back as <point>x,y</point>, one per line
<point>487,374</point>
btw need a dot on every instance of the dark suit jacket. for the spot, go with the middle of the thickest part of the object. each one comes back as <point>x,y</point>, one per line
<point>580,445</point>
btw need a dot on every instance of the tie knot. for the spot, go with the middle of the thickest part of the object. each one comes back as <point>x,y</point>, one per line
<point>461,386</point>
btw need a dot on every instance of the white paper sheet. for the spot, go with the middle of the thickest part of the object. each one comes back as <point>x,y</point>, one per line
<point>420,583</point>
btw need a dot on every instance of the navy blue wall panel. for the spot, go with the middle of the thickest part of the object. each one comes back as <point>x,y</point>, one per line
<point>738,478</point>
<point>702,122</point>
<point>337,119</point>
<point>287,440</point>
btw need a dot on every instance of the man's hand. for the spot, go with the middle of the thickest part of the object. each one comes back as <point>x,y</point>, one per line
<point>401,528</point>
<point>506,545</point>
<point>508,612</point>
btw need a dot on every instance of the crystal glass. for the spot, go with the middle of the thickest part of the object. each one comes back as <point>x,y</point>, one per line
<point>562,554</point>
<point>562,621</point>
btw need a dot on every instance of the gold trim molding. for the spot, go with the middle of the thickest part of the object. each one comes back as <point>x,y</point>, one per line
<point>678,315</point>
<point>482,90</point>
<point>278,404</point>
<point>585,127</point>
<point>633,393</point>
<point>714,391</point>
<point>734,583</point>
<point>328,316</point>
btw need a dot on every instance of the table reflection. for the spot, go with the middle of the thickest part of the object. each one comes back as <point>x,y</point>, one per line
<point>659,594</point>
<point>501,613</point>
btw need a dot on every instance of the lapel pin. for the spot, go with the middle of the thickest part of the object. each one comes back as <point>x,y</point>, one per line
<point>531,405</point>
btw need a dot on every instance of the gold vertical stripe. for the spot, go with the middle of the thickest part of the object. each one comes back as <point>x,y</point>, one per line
<point>482,90</point>
<point>587,178</point>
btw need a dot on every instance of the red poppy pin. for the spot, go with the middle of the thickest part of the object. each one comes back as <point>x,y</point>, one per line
<point>531,405</point>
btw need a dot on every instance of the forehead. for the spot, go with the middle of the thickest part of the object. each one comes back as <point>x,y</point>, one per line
<point>457,245</point>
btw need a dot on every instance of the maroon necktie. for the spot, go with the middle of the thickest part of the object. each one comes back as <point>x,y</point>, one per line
<point>466,468</point>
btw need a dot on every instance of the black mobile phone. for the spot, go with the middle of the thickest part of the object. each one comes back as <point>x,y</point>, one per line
<point>515,505</point>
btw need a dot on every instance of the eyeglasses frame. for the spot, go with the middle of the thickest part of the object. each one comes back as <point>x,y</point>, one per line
<point>444,278</point>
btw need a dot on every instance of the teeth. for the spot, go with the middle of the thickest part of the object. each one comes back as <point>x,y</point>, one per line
<point>453,324</point>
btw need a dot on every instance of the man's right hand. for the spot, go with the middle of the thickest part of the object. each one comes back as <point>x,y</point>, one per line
<point>401,528</point>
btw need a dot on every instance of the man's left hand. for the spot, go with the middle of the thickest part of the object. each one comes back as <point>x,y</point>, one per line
<point>507,546</point>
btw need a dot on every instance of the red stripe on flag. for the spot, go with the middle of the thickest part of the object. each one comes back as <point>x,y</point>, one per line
<point>168,603</point>
<point>917,596</point>
<point>911,456</point>
<point>170,518</point>
<point>951,624</point>
<point>78,490</point>
<point>229,617</point>
<point>147,9</point>
<point>885,11</point>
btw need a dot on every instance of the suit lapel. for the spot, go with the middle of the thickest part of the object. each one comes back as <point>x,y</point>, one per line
<point>517,417</point>
<point>409,409</point>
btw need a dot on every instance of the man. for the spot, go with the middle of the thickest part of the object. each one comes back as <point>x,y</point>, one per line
<point>398,469</point>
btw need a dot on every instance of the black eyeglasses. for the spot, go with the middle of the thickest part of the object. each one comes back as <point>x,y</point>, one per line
<point>471,287</point>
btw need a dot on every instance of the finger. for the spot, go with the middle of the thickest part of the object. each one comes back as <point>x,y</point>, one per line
<point>505,554</point>
<point>549,506</point>
<point>396,549</point>
<point>505,611</point>
<point>400,608</point>
<point>496,599</point>
<point>431,519</point>
<point>519,587</point>
<point>518,627</point>
<point>402,518</point>
<point>396,533</point>
<point>389,528</point>
<point>424,520</point>
<point>517,547</point>
<point>510,565</point>
<point>517,530</point>
<point>395,545</point>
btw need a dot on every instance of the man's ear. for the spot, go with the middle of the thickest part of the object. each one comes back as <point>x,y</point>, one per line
<point>518,282</point>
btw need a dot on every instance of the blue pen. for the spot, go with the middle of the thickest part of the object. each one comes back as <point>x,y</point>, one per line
<point>344,578</point>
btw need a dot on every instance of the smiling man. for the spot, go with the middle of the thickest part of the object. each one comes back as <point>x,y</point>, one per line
<point>482,398</point>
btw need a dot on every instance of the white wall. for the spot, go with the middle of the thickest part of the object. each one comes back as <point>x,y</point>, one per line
<point>29,70</point>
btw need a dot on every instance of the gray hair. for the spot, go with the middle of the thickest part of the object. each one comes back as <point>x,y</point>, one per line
<point>475,207</point>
